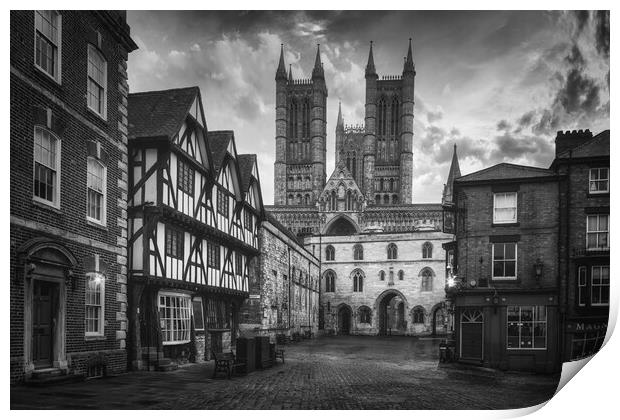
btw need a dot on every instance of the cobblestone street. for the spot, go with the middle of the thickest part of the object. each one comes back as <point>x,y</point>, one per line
<point>325,373</point>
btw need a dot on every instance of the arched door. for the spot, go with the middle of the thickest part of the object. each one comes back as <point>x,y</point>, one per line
<point>344,320</point>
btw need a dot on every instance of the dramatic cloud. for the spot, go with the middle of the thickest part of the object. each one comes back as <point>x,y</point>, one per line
<point>496,84</point>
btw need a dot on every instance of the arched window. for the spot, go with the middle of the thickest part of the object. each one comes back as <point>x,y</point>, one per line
<point>291,199</point>
<point>392,252</point>
<point>306,119</point>
<point>330,281</point>
<point>358,281</point>
<point>354,168</point>
<point>365,315</point>
<point>381,184</point>
<point>427,250</point>
<point>358,252</point>
<point>418,315</point>
<point>299,199</point>
<point>427,280</point>
<point>307,199</point>
<point>330,253</point>
<point>382,275</point>
<point>401,275</point>
<point>377,199</point>
<point>394,199</point>
<point>381,117</point>
<point>386,199</point>
<point>292,121</point>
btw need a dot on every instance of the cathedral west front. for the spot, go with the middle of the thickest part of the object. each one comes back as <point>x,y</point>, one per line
<point>383,268</point>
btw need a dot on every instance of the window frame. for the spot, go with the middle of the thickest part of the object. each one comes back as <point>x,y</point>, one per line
<point>58,45</point>
<point>358,252</point>
<point>213,255</point>
<point>416,314</point>
<point>601,286</point>
<point>104,113</point>
<point>56,202</point>
<point>101,321</point>
<point>392,251</point>
<point>533,323</point>
<point>495,208</point>
<point>427,250</point>
<point>358,282</point>
<point>185,175</point>
<point>365,315</point>
<point>179,235</point>
<point>596,180</point>
<point>330,253</point>
<point>223,205</point>
<point>330,282</point>
<point>582,286</point>
<point>516,260</point>
<point>104,195</point>
<point>597,232</point>
<point>175,321</point>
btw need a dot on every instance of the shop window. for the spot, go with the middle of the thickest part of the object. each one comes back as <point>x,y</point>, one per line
<point>505,207</point>
<point>175,318</point>
<point>527,327</point>
<point>585,344</point>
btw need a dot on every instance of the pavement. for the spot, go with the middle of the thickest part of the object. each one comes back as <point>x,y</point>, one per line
<point>322,373</point>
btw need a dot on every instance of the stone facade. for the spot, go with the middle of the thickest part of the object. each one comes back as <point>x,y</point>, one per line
<point>284,288</point>
<point>55,248</point>
<point>412,278</point>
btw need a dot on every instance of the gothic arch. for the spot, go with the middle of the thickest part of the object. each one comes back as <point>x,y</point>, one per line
<point>341,225</point>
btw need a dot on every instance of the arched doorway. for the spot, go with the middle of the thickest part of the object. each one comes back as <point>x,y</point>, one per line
<point>344,320</point>
<point>438,319</point>
<point>341,225</point>
<point>391,308</point>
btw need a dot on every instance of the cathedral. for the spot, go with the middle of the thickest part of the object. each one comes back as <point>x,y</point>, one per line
<point>382,263</point>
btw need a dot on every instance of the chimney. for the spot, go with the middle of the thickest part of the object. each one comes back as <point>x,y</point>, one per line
<point>567,140</point>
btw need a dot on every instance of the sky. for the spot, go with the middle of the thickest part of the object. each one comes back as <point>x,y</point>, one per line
<point>498,84</point>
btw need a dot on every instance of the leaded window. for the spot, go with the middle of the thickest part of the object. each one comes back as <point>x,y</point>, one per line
<point>175,318</point>
<point>174,242</point>
<point>185,177</point>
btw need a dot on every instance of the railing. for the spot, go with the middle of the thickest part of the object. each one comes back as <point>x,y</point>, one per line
<point>589,252</point>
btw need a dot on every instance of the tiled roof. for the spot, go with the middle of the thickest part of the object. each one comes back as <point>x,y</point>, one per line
<point>158,113</point>
<point>505,171</point>
<point>218,144</point>
<point>246,164</point>
<point>597,146</point>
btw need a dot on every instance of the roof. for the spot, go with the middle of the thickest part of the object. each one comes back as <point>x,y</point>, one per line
<point>272,219</point>
<point>218,144</point>
<point>504,171</point>
<point>246,164</point>
<point>159,113</point>
<point>596,146</point>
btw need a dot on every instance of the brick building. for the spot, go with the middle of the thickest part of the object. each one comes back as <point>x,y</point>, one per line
<point>505,296</point>
<point>68,144</point>
<point>194,207</point>
<point>582,160</point>
<point>284,291</point>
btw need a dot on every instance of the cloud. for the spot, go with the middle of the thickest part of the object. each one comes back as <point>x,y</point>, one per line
<point>503,125</point>
<point>601,18</point>
<point>534,150</point>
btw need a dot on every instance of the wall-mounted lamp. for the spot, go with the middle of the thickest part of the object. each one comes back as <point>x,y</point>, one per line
<point>538,269</point>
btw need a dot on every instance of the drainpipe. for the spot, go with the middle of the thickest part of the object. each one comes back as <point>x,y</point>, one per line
<point>290,304</point>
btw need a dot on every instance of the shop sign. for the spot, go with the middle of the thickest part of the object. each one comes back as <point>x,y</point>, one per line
<point>586,326</point>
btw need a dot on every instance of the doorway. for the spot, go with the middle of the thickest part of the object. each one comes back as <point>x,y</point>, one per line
<point>472,330</point>
<point>391,306</point>
<point>44,309</point>
<point>344,320</point>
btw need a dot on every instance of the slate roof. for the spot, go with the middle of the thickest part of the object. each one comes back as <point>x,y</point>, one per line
<point>246,164</point>
<point>218,144</point>
<point>158,113</point>
<point>505,171</point>
<point>596,146</point>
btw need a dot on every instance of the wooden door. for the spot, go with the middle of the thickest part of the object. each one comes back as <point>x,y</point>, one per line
<point>472,329</point>
<point>43,319</point>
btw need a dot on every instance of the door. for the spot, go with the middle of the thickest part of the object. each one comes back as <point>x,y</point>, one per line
<point>43,320</point>
<point>344,316</point>
<point>472,329</point>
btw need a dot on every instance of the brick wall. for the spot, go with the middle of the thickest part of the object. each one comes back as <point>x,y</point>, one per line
<point>74,124</point>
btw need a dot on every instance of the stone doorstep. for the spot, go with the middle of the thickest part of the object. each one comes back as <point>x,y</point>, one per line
<point>51,376</point>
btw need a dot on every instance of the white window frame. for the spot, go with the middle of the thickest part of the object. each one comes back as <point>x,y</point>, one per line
<point>95,277</point>
<point>56,202</point>
<point>104,195</point>
<point>597,232</point>
<point>533,324</point>
<point>58,44</point>
<point>93,50</point>
<point>516,259</point>
<point>179,336</point>
<point>597,171</point>
<point>600,285</point>
<point>496,220</point>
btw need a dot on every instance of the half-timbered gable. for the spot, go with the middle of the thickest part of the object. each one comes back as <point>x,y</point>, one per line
<point>252,198</point>
<point>189,250</point>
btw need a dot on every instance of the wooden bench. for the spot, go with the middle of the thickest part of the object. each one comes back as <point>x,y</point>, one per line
<point>226,363</point>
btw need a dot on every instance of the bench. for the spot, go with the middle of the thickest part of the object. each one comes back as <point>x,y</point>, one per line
<point>226,363</point>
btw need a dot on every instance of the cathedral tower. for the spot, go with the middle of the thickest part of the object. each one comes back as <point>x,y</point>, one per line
<point>301,106</point>
<point>388,140</point>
